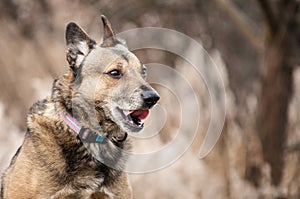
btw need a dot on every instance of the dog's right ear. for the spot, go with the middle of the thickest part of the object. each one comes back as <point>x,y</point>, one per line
<point>79,45</point>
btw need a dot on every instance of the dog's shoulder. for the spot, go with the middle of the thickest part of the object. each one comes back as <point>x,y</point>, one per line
<point>39,107</point>
<point>40,113</point>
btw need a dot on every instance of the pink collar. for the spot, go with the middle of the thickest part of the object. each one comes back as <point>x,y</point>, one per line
<point>85,134</point>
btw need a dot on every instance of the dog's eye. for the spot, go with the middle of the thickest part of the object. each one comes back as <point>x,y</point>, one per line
<point>144,73</point>
<point>115,73</point>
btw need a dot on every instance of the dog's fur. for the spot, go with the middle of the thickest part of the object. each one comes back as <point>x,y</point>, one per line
<point>53,161</point>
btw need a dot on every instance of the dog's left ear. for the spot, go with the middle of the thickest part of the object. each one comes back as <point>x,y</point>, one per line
<point>109,37</point>
<point>79,45</point>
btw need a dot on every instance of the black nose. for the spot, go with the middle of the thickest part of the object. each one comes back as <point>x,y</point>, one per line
<point>150,98</point>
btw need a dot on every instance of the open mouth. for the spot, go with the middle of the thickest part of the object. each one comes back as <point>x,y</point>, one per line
<point>134,119</point>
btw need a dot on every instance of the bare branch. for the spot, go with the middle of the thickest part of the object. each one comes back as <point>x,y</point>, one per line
<point>293,147</point>
<point>242,22</point>
<point>268,15</point>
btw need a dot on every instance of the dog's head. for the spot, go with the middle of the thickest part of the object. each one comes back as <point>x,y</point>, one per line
<point>110,76</point>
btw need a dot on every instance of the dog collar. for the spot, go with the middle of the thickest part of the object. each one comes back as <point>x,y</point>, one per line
<point>85,134</point>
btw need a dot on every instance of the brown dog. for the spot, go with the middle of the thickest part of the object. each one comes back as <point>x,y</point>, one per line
<point>82,127</point>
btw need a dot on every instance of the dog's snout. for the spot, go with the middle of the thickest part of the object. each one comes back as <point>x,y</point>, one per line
<point>150,98</point>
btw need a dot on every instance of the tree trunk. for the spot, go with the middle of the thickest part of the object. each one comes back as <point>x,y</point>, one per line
<point>277,83</point>
<point>273,108</point>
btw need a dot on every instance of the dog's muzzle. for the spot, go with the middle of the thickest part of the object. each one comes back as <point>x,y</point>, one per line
<point>134,118</point>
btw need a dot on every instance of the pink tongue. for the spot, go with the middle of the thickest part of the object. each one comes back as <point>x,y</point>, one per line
<point>141,114</point>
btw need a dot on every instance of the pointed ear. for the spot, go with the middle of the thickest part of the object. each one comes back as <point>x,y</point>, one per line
<point>109,37</point>
<point>79,45</point>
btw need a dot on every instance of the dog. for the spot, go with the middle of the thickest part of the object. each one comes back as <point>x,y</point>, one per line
<point>75,138</point>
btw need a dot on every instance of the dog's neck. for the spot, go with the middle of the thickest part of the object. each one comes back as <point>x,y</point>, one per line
<point>86,112</point>
<point>66,103</point>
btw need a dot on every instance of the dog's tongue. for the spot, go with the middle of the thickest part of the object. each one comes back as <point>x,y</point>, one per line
<point>141,114</point>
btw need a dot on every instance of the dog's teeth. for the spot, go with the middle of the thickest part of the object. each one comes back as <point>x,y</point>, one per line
<point>127,112</point>
<point>141,123</point>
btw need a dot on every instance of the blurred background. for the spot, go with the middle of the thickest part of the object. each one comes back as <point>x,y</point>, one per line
<point>256,46</point>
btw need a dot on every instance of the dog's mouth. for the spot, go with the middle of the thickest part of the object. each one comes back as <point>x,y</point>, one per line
<point>134,119</point>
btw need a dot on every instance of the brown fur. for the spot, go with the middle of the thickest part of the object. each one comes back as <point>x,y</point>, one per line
<point>53,162</point>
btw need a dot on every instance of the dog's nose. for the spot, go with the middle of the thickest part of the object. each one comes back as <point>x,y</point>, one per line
<point>150,98</point>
